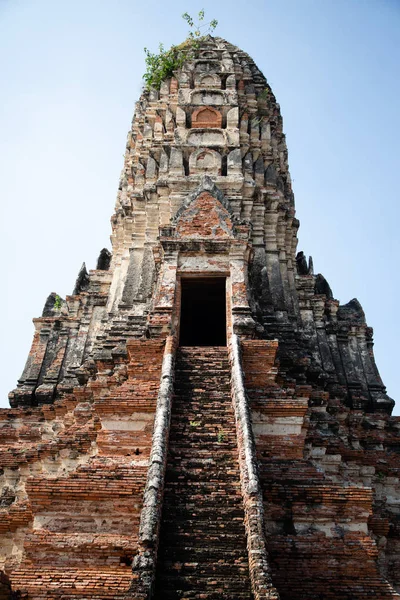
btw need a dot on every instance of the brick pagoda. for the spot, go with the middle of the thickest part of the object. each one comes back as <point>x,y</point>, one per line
<point>201,419</point>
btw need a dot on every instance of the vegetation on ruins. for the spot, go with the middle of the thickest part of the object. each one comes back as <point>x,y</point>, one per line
<point>161,66</point>
<point>57,303</point>
<point>221,436</point>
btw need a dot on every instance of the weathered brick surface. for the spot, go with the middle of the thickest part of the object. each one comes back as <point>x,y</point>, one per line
<point>317,531</point>
<point>205,191</point>
<point>205,217</point>
<point>74,510</point>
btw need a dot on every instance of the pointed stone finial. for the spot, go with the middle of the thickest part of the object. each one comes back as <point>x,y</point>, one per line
<point>323,287</point>
<point>103,262</point>
<point>82,281</point>
<point>53,305</point>
<point>352,311</point>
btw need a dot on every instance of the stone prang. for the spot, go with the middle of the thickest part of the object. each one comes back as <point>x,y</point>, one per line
<point>201,419</point>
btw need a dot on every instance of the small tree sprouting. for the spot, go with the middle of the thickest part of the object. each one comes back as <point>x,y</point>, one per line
<point>161,66</point>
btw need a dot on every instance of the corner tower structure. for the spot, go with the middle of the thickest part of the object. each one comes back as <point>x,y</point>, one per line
<point>201,417</point>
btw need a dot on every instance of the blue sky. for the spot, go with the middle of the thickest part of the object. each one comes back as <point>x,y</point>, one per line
<point>70,74</point>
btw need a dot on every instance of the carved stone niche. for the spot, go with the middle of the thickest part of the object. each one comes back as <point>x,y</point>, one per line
<point>208,97</point>
<point>209,54</point>
<point>206,65</point>
<point>206,117</point>
<point>206,137</point>
<point>205,160</point>
<point>207,80</point>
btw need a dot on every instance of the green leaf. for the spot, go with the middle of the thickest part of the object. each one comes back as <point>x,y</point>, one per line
<point>162,66</point>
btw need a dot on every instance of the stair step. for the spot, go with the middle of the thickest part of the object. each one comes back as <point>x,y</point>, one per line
<point>202,552</point>
<point>212,553</point>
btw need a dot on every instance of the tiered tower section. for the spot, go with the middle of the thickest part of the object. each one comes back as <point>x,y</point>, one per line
<point>205,195</point>
<point>215,128</point>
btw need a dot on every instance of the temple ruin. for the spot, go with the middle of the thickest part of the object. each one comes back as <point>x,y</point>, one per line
<point>201,419</point>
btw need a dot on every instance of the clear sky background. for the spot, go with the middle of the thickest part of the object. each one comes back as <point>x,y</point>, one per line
<point>70,73</point>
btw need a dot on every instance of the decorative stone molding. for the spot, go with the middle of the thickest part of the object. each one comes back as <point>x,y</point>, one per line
<point>260,571</point>
<point>144,563</point>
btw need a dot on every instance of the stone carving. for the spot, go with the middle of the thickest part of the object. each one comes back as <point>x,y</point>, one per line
<point>204,217</point>
<point>323,287</point>
<point>104,260</point>
<point>207,80</point>
<point>206,65</point>
<point>302,267</point>
<point>82,281</point>
<point>232,118</point>
<point>208,97</point>
<point>205,160</point>
<point>208,54</point>
<point>206,138</point>
<point>206,117</point>
<point>352,311</point>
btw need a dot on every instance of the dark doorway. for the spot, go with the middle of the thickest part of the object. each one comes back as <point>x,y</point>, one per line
<point>203,312</point>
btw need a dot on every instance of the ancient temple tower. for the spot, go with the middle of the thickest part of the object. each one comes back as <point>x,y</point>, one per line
<point>201,419</point>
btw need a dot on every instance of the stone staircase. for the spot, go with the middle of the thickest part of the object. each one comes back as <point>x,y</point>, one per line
<point>121,328</point>
<point>202,551</point>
